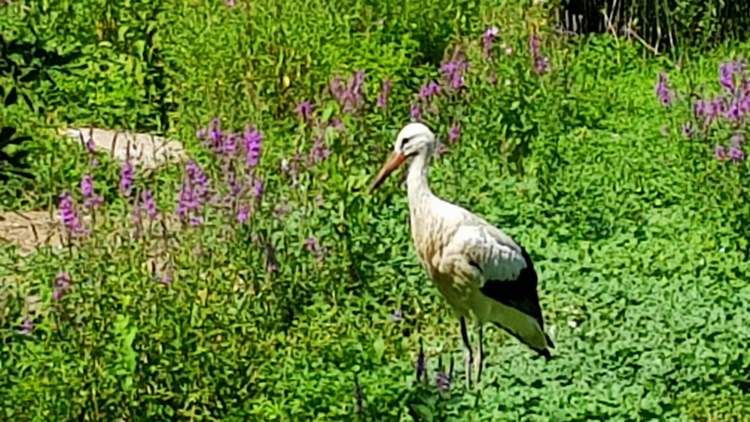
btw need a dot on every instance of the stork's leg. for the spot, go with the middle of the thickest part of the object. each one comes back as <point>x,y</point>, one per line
<point>480,361</point>
<point>468,358</point>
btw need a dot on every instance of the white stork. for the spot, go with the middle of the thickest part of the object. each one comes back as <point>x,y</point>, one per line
<point>480,270</point>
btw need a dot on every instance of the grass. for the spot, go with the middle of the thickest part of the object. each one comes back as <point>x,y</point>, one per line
<point>639,234</point>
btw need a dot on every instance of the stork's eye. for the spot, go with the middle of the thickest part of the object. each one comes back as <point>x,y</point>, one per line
<point>404,141</point>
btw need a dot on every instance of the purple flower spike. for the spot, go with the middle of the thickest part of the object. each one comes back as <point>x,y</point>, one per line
<point>454,133</point>
<point>126,178</point>
<point>304,110</point>
<point>253,141</point>
<point>193,193</point>
<point>69,215</point>
<point>243,214</point>
<point>348,95</point>
<point>385,92</point>
<point>487,39</point>
<point>663,91</point>
<point>688,131</point>
<point>415,112</point>
<point>90,199</point>
<point>27,326</point>
<point>428,90</point>
<point>720,152</point>
<point>62,283</point>
<point>258,189</point>
<point>319,150</point>
<point>91,147</point>
<point>726,76</point>
<point>540,62</point>
<point>453,71</point>
<point>149,204</point>
<point>736,153</point>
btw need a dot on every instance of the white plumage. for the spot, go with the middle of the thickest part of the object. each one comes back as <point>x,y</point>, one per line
<point>482,273</point>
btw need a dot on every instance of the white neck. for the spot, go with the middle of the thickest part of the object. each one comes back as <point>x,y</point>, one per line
<point>416,180</point>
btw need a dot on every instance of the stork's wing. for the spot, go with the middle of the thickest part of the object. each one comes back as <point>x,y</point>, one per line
<point>508,273</point>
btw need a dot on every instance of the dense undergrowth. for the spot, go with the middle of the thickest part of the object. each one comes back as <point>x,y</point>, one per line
<point>259,281</point>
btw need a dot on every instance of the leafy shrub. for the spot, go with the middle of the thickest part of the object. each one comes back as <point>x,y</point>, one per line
<point>277,290</point>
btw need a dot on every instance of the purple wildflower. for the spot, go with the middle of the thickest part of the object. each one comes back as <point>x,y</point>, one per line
<point>91,146</point>
<point>230,3</point>
<point>720,152</point>
<point>734,112</point>
<point>304,110</point>
<point>348,95</point>
<point>663,91</point>
<point>338,89</point>
<point>215,133</point>
<point>319,150</point>
<point>126,178</point>
<point>149,204</point>
<point>243,214</point>
<point>258,188</point>
<point>453,71</point>
<point>454,133</point>
<point>193,192</point>
<point>540,62</point>
<point>355,86</point>
<point>489,36</point>
<point>415,111</point>
<point>443,381</point>
<point>253,141</point>
<point>385,92</point>
<point>736,153</point>
<point>229,145</point>
<point>90,198</point>
<point>69,215</point>
<point>428,90</point>
<point>688,131</point>
<point>27,326</point>
<point>726,76</point>
<point>62,283</point>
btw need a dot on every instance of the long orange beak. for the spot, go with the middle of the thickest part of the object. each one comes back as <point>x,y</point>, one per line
<point>393,162</point>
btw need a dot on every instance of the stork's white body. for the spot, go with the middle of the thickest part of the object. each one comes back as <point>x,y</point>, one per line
<point>448,238</point>
<point>482,273</point>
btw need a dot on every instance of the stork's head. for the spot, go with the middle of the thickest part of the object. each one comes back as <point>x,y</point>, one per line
<point>412,140</point>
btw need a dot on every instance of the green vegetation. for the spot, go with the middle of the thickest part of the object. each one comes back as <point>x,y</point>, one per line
<point>287,293</point>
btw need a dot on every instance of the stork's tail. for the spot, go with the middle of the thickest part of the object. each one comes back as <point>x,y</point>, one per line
<point>532,341</point>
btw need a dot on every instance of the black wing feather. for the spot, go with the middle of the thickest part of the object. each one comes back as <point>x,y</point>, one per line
<point>520,293</point>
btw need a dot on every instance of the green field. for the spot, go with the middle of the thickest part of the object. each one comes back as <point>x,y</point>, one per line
<point>281,290</point>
